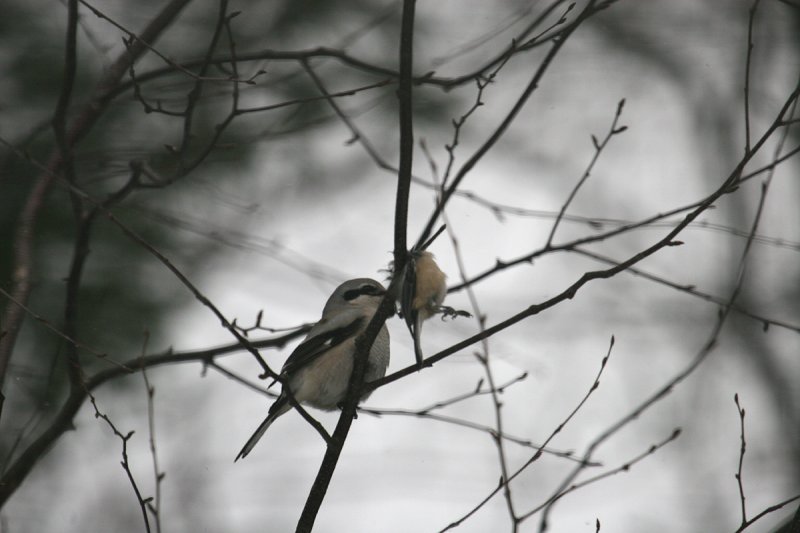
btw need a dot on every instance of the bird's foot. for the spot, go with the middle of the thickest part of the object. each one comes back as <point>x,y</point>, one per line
<point>449,312</point>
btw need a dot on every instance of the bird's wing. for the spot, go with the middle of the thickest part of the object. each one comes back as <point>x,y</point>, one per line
<point>409,292</point>
<point>316,345</point>
<point>410,314</point>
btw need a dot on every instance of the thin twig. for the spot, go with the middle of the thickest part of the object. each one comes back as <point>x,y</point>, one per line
<point>598,149</point>
<point>72,342</point>
<point>158,476</point>
<point>745,522</point>
<point>691,290</point>
<point>625,467</point>
<point>711,342</point>
<point>701,356</point>
<point>340,55</point>
<point>750,21</point>
<point>772,509</point>
<point>557,43</point>
<point>196,92</point>
<point>668,240</point>
<point>742,448</point>
<point>326,96</point>
<point>16,472</point>
<point>483,355</point>
<point>85,118</point>
<point>125,463</point>
<point>144,42</point>
<point>240,380</point>
<point>595,384</point>
<point>527,443</point>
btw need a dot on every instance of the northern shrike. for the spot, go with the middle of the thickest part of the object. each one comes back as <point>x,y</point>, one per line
<point>422,292</point>
<point>318,371</point>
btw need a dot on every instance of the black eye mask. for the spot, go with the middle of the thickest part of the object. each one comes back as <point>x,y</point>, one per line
<point>364,289</point>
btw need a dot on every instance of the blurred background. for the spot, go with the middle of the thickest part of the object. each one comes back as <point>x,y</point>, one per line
<point>289,201</point>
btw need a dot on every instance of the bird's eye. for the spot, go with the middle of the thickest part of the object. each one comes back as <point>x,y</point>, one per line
<point>352,294</point>
<point>366,289</point>
<point>372,290</point>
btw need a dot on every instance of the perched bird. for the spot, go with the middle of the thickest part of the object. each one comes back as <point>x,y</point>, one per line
<point>422,292</point>
<point>318,371</point>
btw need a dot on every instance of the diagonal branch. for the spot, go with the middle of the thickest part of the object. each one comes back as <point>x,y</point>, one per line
<point>557,43</point>
<point>598,149</point>
<point>85,118</point>
<point>731,182</point>
<point>16,473</point>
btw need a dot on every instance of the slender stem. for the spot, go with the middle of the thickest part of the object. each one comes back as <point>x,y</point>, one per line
<point>364,342</point>
<point>598,149</point>
<point>557,43</point>
<point>405,96</point>
<point>85,118</point>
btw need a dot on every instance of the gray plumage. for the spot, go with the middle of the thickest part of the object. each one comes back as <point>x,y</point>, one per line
<point>318,370</point>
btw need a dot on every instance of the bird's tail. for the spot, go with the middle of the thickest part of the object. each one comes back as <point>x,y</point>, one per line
<point>416,332</point>
<point>280,406</point>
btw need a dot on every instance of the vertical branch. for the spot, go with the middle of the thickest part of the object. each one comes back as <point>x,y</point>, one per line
<point>70,65</point>
<point>364,342</point>
<point>153,504</point>
<point>558,41</point>
<point>547,441</point>
<point>197,90</point>
<point>126,466</point>
<point>404,94</point>
<point>22,266</point>
<point>483,355</point>
<point>599,146</point>
<point>68,133</point>
<point>22,272</point>
<point>747,75</point>
<point>742,449</point>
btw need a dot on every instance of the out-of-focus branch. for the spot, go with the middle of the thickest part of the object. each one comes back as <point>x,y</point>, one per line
<point>742,448</point>
<point>730,182</point>
<point>85,118</point>
<point>750,21</point>
<point>522,42</point>
<point>197,90</point>
<point>154,506</point>
<point>135,237</point>
<point>700,356</point>
<point>557,42</point>
<point>143,41</point>
<point>491,431</point>
<point>595,384</point>
<point>484,354</point>
<point>15,474</point>
<point>23,252</point>
<point>693,291</point>
<point>625,467</point>
<point>599,146</point>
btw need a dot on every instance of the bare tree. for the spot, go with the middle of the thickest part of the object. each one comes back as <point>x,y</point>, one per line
<point>129,183</point>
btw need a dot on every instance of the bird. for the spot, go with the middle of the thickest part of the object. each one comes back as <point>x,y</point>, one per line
<point>422,292</point>
<point>318,371</point>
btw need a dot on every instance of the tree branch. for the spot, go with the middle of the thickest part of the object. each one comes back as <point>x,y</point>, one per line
<point>85,118</point>
<point>387,308</point>
<point>15,474</point>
